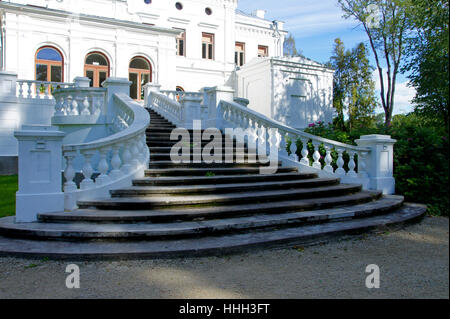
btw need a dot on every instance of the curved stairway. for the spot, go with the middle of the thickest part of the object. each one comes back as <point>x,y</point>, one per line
<point>203,209</point>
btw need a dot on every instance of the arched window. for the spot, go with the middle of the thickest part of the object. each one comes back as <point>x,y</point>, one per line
<point>179,89</point>
<point>49,65</point>
<point>96,68</point>
<point>140,73</point>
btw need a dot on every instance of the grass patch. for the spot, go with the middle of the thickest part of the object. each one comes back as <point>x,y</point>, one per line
<point>8,189</point>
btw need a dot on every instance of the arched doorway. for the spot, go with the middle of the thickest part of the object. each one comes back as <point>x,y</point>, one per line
<point>140,73</point>
<point>96,68</point>
<point>49,65</point>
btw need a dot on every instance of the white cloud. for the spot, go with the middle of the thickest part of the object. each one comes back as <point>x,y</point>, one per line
<point>303,18</point>
<point>403,95</point>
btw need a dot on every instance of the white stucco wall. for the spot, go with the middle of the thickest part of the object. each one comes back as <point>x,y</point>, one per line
<point>294,91</point>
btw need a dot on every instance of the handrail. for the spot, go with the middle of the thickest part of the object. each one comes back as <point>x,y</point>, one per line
<point>275,124</point>
<point>167,107</point>
<point>119,157</point>
<point>277,137</point>
<point>139,119</point>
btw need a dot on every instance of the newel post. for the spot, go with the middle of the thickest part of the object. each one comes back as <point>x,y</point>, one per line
<point>115,86</point>
<point>216,95</point>
<point>380,162</point>
<point>82,82</point>
<point>148,89</point>
<point>40,167</point>
<point>192,111</point>
<point>8,86</point>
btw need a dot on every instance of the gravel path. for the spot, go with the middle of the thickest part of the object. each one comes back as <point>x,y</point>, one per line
<point>414,263</point>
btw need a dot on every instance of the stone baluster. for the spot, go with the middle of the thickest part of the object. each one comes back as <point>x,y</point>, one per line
<point>46,91</point>
<point>30,90</point>
<point>293,148</point>
<point>85,106</point>
<point>352,165</point>
<point>317,156</point>
<point>103,167</point>
<point>305,152</point>
<point>88,170</point>
<point>126,156</point>
<point>116,163</point>
<point>69,172</point>
<point>328,160</point>
<point>134,154</point>
<point>283,144</point>
<point>340,163</point>
<point>21,89</point>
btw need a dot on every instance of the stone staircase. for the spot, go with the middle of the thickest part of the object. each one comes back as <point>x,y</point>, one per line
<point>205,209</point>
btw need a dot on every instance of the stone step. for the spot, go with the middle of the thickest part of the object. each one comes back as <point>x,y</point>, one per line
<point>167,150</point>
<point>170,164</point>
<point>145,203</point>
<point>209,245</point>
<point>212,171</point>
<point>139,191</point>
<point>236,157</point>
<point>82,231</point>
<point>206,213</point>
<point>231,179</point>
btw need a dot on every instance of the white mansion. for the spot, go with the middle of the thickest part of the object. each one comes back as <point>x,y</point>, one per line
<point>94,90</point>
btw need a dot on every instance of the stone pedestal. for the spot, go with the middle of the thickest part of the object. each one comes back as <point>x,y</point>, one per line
<point>40,167</point>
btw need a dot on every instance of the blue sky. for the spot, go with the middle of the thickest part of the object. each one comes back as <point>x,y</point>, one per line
<point>315,24</point>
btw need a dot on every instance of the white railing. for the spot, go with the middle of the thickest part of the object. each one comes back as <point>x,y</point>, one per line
<point>79,101</point>
<point>169,108</point>
<point>31,89</point>
<point>284,139</point>
<point>118,158</point>
<point>177,95</point>
<point>371,163</point>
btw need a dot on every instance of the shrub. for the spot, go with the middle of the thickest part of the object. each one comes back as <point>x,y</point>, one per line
<point>421,164</point>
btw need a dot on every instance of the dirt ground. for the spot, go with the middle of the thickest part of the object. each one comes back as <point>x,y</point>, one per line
<point>414,263</point>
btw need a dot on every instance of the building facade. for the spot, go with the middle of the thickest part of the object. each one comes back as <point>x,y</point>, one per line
<point>181,45</point>
<point>185,44</point>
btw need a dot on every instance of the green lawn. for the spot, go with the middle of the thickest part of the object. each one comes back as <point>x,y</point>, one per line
<point>8,189</point>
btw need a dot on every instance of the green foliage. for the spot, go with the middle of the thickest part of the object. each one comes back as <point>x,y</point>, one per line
<point>290,48</point>
<point>428,61</point>
<point>386,38</point>
<point>9,187</point>
<point>354,87</point>
<point>421,166</point>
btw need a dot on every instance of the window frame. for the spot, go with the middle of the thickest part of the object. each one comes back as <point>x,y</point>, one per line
<point>210,46</point>
<point>239,55</point>
<point>49,63</point>
<point>265,48</point>
<point>179,38</point>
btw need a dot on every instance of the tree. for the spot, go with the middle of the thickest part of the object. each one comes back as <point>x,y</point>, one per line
<point>386,38</point>
<point>354,88</point>
<point>289,47</point>
<point>428,58</point>
<point>339,62</point>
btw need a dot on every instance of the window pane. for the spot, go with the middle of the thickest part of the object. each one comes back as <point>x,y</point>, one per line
<point>181,48</point>
<point>49,54</point>
<point>210,51</point>
<point>139,63</point>
<point>96,59</point>
<point>56,75</point>
<point>134,85</point>
<point>41,72</point>
<point>204,50</point>
<point>236,58</point>
<point>102,77</point>
<point>90,75</point>
<point>144,80</point>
